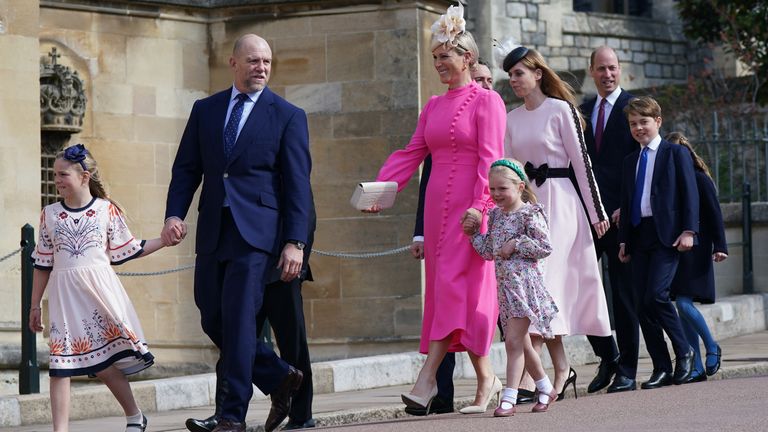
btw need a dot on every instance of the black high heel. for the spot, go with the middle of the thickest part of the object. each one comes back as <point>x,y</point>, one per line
<point>570,381</point>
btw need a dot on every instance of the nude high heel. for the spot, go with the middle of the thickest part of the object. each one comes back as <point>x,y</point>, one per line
<point>479,409</point>
<point>418,402</point>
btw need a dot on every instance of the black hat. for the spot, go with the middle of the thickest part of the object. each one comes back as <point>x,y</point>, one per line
<point>513,57</point>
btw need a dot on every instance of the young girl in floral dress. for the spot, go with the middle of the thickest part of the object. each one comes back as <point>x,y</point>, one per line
<point>517,239</point>
<point>93,325</point>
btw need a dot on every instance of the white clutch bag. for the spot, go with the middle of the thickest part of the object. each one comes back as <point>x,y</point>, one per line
<point>369,193</point>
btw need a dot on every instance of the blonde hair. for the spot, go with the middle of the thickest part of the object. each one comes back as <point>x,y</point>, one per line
<point>463,42</point>
<point>95,184</point>
<point>527,195</point>
<point>698,162</point>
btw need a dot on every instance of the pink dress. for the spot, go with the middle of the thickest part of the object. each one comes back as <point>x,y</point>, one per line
<point>93,323</point>
<point>463,130</point>
<point>548,135</point>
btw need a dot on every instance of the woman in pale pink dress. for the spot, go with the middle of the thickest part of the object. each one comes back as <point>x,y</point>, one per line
<point>463,130</point>
<point>546,134</point>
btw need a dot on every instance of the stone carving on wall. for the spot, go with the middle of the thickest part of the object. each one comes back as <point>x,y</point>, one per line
<point>62,97</point>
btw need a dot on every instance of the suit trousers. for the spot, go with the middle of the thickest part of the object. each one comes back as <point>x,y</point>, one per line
<point>283,307</point>
<point>624,306</point>
<point>444,377</point>
<point>653,268</point>
<point>229,291</point>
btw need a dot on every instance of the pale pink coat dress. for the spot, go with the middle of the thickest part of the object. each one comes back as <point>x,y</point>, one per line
<point>463,130</point>
<point>548,135</point>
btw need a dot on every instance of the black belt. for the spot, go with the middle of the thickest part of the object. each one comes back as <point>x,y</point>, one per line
<point>543,172</point>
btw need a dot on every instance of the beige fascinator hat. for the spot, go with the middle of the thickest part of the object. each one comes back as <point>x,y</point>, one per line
<point>448,27</point>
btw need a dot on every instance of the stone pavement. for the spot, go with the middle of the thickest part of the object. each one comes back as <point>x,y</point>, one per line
<point>743,356</point>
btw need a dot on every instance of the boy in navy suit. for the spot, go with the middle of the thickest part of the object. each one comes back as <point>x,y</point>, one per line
<point>659,220</point>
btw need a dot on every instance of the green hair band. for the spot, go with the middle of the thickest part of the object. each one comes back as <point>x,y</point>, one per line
<point>513,166</point>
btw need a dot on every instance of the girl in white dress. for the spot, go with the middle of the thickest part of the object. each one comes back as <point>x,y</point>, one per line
<point>94,329</point>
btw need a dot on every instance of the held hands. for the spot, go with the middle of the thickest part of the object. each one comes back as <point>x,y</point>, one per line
<point>508,249</point>
<point>684,242</point>
<point>417,249</point>
<point>173,232</point>
<point>719,256</point>
<point>601,227</point>
<point>35,320</point>
<point>291,260</point>
<point>623,256</point>
<point>470,221</point>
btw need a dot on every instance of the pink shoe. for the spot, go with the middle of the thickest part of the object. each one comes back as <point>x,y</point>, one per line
<point>543,407</point>
<point>504,412</point>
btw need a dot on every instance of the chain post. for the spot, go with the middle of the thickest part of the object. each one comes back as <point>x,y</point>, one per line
<point>748,282</point>
<point>29,373</point>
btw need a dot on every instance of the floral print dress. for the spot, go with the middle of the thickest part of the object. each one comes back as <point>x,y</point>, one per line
<point>520,278</point>
<point>92,322</point>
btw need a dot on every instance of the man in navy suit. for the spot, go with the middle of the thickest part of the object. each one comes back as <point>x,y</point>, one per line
<point>659,219</point>
<point>250,150</point>
<point>609,141</point>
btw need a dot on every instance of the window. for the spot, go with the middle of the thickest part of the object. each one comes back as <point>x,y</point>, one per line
<point>621,7</point>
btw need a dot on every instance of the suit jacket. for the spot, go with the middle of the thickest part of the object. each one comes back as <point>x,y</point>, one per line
<point>616,145</point>
<point>266,178</point>
<point>674,196</point>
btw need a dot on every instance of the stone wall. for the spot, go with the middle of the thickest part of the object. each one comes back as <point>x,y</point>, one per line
<point>19,147</point>
<point>362,75</point>
<point>141,77</point>
<point>652,51</point>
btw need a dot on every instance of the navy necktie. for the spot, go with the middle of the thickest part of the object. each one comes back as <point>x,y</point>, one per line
<point>230,131</point>
<point>635,213</point>
<point>599,126</point>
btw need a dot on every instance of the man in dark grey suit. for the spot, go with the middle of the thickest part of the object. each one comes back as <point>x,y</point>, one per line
<point>609,141</point>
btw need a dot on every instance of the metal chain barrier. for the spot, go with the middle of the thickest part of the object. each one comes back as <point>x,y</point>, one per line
<point>347,255</point>
<point>11,254</point>
<point>361,255</point>
<point>157,273</point>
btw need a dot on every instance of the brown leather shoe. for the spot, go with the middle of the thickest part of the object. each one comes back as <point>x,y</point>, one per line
<point>229,426</point>
<point>281,398</point>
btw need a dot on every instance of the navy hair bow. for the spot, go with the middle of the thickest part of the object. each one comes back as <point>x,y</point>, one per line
<point>76,153</point>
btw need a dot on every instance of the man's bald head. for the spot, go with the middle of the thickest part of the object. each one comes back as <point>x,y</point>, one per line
<point>251,63</point>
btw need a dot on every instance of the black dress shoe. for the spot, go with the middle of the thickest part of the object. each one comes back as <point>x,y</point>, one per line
<point>206,425</point>
<point>605,372</point>
<point>683,367</point>
<point>438,406</point>
<point>696,378</point>
<point>293,425</point>
<point>658,379</point>
<point>229,426</point>
<point>281,398</point>
<point>525,396</point>
<point>621,384</point>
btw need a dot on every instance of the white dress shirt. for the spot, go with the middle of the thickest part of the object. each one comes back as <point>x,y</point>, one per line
<point>610,101</point>
<point>645,200</point>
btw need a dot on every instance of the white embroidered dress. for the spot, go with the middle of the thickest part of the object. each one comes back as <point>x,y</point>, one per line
<point>92,321</point>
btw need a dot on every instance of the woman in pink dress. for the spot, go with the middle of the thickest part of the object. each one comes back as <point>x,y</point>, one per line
<point>546,134</point>
<point>463,130</point>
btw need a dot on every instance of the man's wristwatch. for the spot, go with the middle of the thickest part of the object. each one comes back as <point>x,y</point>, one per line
<point>299,245</point>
